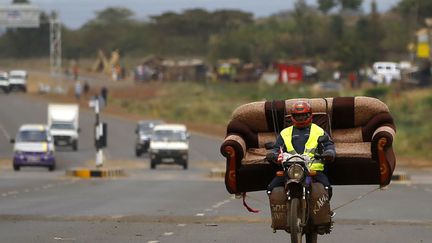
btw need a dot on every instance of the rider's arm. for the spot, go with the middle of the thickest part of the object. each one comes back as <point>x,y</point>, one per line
<point>328,144</point>
<point>329,147</point>
<point>279,143</point>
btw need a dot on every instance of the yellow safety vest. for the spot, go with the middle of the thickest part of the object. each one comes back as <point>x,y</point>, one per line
<point>310,146</point>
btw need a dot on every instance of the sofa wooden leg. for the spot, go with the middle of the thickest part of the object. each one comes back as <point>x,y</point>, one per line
<point>231,175</point>
<point>384,166</point>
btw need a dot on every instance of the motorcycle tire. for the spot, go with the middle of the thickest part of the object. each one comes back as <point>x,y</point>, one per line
<point>295,221</point>
<point>312,237</point>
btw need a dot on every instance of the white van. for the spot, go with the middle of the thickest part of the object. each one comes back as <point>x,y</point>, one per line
<point>386,72</point>
<point>169,144</point>
<point>33,146</point>
<point>18,79</point>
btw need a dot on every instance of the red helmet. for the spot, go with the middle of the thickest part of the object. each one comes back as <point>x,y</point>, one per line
<point>301,114</point>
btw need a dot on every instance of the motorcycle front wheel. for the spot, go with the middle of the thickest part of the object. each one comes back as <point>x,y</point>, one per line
<point>295,221</point>
<point>311,237</point>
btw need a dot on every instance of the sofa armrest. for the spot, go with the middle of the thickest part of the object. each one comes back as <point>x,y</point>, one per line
<point>382,151</point>
<point>238,144</point>
<point>234,149</point>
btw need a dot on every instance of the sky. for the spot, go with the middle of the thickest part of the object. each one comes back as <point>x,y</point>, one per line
<point>74,13</point>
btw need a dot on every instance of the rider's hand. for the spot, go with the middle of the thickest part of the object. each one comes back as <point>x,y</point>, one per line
<point>329,155</point>
<point>271,157</point>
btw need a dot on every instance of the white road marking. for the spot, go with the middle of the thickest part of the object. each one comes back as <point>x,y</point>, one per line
<point>221,203</point>
<point>168,233</point>
<point>12,192</point>
<point>26,190</point>
<point>200,214</point>
<point>5,133</point>
<point>181,225</point>
<point>153,241</point>
<point>64,239</point>
<point>4,194</point>
<point>47,186</point>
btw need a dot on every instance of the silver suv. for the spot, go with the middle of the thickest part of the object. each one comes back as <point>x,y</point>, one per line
<point>144,131</point>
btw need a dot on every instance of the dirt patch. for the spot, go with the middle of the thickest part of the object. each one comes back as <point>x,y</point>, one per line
<point>5,164</point>
<point>415,163</point>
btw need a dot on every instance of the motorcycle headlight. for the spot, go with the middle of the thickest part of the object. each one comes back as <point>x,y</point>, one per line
<point>295,172</point>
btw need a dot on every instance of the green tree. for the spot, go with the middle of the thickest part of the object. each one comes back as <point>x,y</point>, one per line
<point>419,9</point>
<point>337,27</point>
<point>189,33</point>
<point>20,1</point>
<point>111,16</point>
<point>326,5</point>
<point>350,4</point>
<point>302,16</point>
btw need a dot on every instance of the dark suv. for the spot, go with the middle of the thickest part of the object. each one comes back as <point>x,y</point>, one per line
<point>144,131</point>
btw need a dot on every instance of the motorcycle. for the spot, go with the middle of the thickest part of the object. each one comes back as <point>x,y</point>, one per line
<point>301,207</point>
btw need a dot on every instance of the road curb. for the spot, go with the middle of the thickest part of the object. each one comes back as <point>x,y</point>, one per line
<point>95,172</point>
<point>217,173</point>
<point>400,176</point>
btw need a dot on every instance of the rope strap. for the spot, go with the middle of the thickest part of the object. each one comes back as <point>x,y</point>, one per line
<point>247,206</point>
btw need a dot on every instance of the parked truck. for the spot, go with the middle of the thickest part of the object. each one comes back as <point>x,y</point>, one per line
<point>18,80</point>
<point>63,124</point>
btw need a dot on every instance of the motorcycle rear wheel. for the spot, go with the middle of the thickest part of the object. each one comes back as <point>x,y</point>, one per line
<point>295,222</point>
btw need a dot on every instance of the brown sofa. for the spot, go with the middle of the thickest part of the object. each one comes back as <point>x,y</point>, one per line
<point>361,127</point>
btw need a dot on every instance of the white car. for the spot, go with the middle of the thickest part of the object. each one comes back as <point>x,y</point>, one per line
<point>4,82</point>
<point>169,144</point>
<point>18,80</point>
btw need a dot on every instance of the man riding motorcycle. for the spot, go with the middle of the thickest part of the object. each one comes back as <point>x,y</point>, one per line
<point>303,137</point>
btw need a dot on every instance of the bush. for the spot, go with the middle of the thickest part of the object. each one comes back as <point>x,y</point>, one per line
<point>378,92</point>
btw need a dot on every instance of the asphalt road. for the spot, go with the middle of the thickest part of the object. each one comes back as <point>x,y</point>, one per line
<point>170,204</point>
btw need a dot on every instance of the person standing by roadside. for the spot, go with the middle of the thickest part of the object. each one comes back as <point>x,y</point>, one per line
<point>77,90</point>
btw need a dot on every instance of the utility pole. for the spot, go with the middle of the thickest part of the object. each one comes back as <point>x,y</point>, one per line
<point>100,131</point>
<point>55,44</point>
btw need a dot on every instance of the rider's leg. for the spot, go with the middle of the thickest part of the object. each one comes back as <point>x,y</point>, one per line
<point>322,178</point>
<point>277,181</point>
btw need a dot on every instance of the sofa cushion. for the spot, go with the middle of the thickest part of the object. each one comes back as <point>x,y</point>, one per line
<point>255,156</point>
<point>266,137</point>
<point>354,150</point>
<point>347,135</point>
